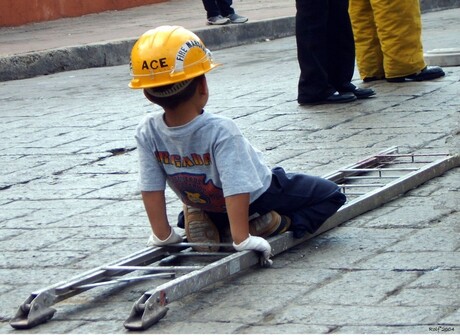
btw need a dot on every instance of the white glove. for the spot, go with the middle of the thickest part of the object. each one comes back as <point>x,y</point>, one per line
<point>172,239</point>
<point>258,244</point>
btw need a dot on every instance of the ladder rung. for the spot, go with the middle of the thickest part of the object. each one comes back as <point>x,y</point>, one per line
<point>402,162</point>
<point>152,268</point>
<point>130,279</point>
<point>361,185</point>
<point>201,254</point>
<point>379,169</point>
<point>411,155</point>
<point>371,177</point>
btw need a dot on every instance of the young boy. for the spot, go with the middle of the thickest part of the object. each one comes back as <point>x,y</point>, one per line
<point>204,158</point>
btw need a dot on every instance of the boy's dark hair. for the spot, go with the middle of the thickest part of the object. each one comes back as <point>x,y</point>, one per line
<point>171,96</point>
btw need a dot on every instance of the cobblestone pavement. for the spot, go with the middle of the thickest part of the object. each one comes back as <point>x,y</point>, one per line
<point>68,201</point>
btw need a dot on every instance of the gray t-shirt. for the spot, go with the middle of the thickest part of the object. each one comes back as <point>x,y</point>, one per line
<point>203,161</point>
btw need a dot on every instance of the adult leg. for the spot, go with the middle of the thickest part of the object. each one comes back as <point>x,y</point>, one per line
<point>369,56</point>
<point>225,7</point>
<point>211,8</point>
<point>311,37</point>
<point>341,46</point>
<point>399,29</point>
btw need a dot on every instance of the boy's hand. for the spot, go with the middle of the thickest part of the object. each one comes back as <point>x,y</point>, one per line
<point>172,239</point>
<point>258,244</point>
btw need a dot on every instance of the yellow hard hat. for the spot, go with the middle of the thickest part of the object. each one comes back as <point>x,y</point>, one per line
<point>167,55</point>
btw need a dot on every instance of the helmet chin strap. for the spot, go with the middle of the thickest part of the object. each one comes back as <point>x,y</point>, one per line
<point>169,90</point>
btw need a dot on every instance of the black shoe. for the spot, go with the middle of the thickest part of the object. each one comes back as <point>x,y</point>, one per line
<point>335,98</point>
<point>373,79</point>
<point>362,93</point>
<point>428,73</point>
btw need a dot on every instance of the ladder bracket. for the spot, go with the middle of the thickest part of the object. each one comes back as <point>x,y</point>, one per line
<point>36,310</point>
<point>147,311</point>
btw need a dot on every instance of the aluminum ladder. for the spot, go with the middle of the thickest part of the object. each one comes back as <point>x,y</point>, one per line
<point>367,184</point>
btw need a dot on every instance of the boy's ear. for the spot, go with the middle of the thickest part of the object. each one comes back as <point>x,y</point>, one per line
<point>202,86</point>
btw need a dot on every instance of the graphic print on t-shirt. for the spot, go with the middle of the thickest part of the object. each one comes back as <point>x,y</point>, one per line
<point>194,159</point>
<point>195,191</point>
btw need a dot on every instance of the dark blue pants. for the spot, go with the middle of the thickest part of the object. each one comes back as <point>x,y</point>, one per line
<point>307,200</point>
<point>218,7</point>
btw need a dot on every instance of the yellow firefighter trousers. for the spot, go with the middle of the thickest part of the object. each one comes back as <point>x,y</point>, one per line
<point>387,37</point>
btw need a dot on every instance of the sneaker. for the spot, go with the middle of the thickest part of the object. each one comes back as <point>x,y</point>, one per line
<point>200,229</point>
<point>235,18</point>
<point>269,224</point>
<point>218,20</point>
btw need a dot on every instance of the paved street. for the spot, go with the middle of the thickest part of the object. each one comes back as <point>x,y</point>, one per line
<point>68,200</point>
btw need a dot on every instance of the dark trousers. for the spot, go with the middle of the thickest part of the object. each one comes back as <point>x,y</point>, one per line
<point>307,200</point>
<point>325,48</point>
<point>218,7</point>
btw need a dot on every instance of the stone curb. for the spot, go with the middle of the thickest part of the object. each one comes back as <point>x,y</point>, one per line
<point>112,53</point>
<point>443,57</point>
